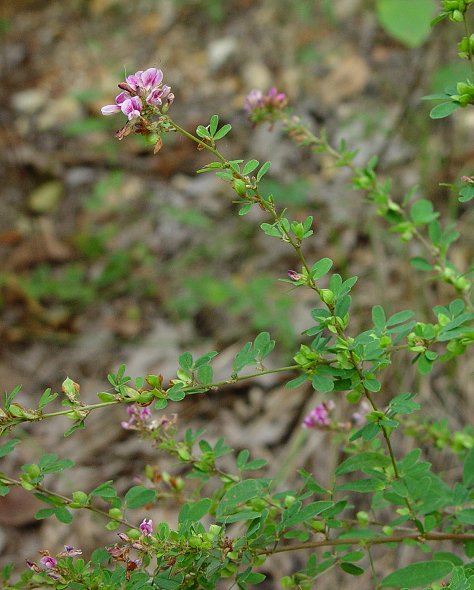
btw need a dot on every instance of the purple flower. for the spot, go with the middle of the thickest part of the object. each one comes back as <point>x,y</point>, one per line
<point>253,100</point>
<point>267,103</point>
<point>151,78</point>
<point>319,416</point>
<point>132,107</point>
<point>69,551</point>
<point>144,413</point>
<point>138,418</point>
<point>294,276</point>
<point>146,527</point>
<point>48,562</point>
<point>141,86</point>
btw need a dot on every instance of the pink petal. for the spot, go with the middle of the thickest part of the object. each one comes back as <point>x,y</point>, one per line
<point>122,97</point>
<point>151,78</point>
<point>110,109</point>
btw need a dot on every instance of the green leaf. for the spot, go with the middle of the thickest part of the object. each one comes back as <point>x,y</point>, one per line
<point>350,568</point>
<point>50,463</point>
<point>194,511</point>
<point>421,212</point>
<point>372,385</point>
<point>104,490</point>
<point>421,264</point>
<point>245,209</point>
<point>8,447</point>
<point>186,360</point>
<point>240,493</point>
<point>363,461</point>
<point>418,574</point>
<point>468,471</point>
<point>242,458</point>
<point>202,132</point>
<point>306,513</point>
<point>407,21</point>
<point>263,170</point>
<point>322,383</point>
<point>444,109</point>
<point>320,268</point>
<point>204,359</point>
<point>44,513</point>
<point>205,374</point>
<point>378,317</point>
<point>255,578</point>
<point>46,398</point>
<point>175,395</point>
<point>139,496</point>
<point>250,167</point>
<point>466,194</point>
<point>213,123</point>
<point>79,425</point>
<point>270,230</point>
<point>63,515</point>
<point>466,516</point>
<point>297,381</point>
<point>223,131</point>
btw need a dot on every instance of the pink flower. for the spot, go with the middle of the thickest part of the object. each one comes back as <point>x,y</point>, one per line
<point>69,551</point>
<point>151,78</point>
<point>253,100</point>
<point>272,101</point>
<point>319,416</point>
<point>294,276</point>
<point>138,418</point>
<point>138,87</point>
<point>146,527</point>
<point>131,107</point>
<point>48,562</point>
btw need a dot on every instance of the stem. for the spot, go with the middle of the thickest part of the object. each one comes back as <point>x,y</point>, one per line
<point>86,409</point>
<point>304,136</point>
<point>66,500</point>
<point>377,541</point>
<point>469,51</point>
<point>270,208</point>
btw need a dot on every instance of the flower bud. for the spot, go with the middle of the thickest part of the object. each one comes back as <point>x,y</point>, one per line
<point>240,187</point>
<point>327,296</point>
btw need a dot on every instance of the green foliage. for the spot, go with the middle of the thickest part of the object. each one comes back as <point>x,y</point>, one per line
<point>406,21</point>
<point>233,517</point>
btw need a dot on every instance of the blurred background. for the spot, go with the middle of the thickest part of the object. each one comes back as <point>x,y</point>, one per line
<point>110,254</point>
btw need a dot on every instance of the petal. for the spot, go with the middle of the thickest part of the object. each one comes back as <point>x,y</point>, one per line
<point>154,98</point>
<point>110,109</point>
<point>151,78</point>
<point>120,98</point>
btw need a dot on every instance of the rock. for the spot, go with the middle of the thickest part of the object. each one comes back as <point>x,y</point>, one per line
<point>220,51</point>
<point>257,75</point>
<point>46,197</point>
<point>30,101</point>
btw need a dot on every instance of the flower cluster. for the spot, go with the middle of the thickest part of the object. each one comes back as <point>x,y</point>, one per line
<point>319,417</point>
<point>142,89</point>
<point>138,418</point>
<point>49,564</point>
<point>258,105</point>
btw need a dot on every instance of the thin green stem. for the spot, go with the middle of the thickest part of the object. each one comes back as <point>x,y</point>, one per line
<point>86,409</point>
<point>376,541</point>
<point>469,50</point>
<point>269,207</point>
<point>66,500</point>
